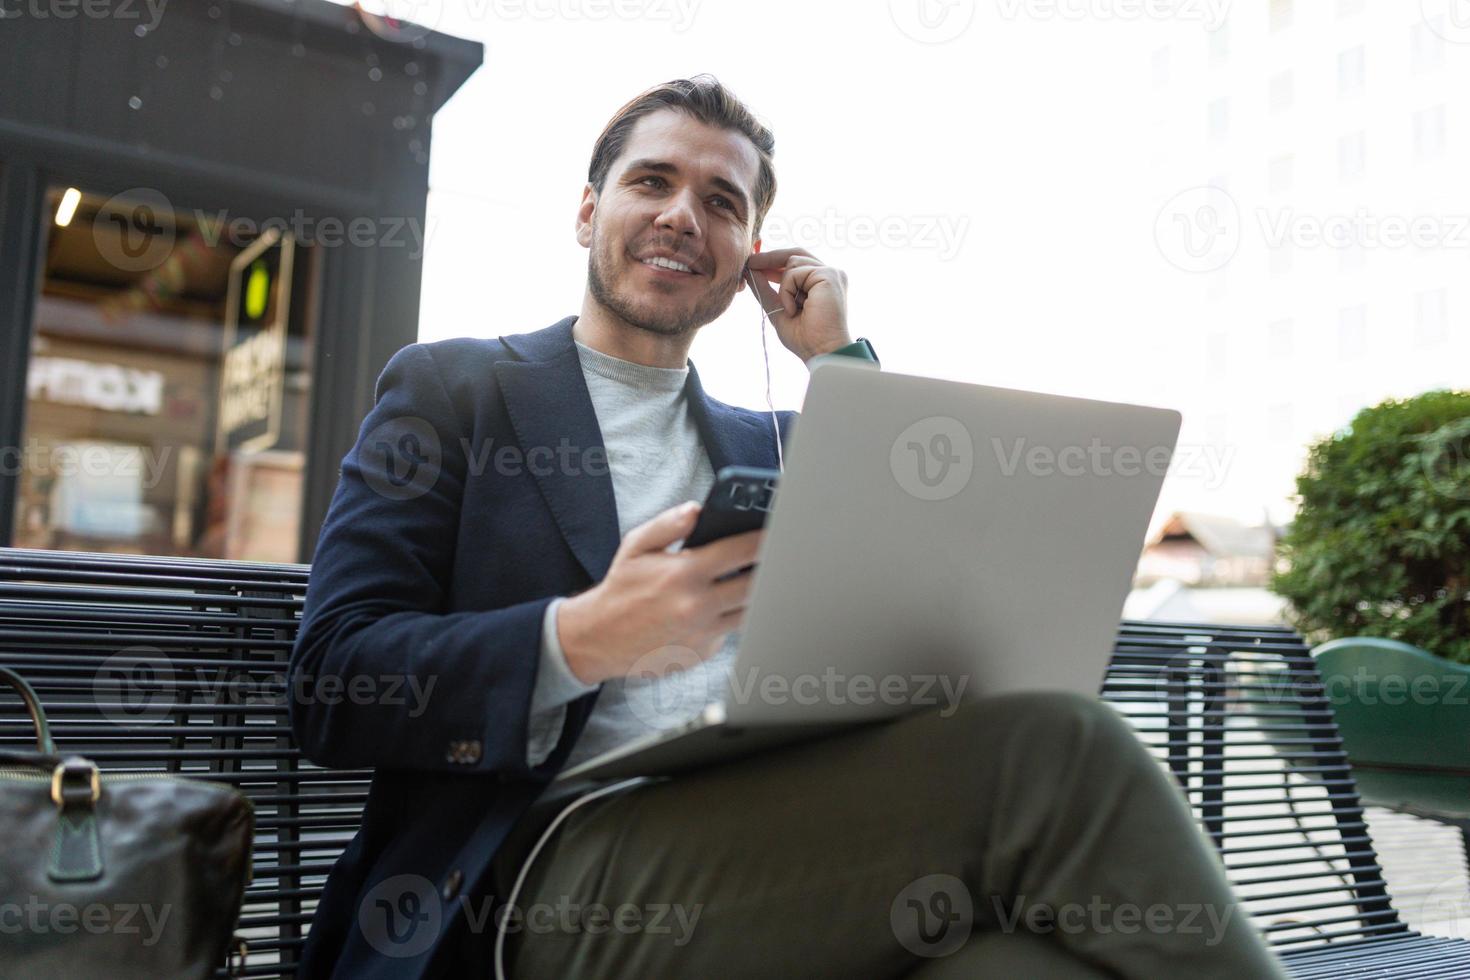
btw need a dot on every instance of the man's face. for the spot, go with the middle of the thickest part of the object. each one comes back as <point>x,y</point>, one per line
<point>682,190</point>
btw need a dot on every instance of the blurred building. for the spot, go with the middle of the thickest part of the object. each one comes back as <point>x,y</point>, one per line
<point>1208,550</point>
<point>211,230</point>
<point>1333,266</point>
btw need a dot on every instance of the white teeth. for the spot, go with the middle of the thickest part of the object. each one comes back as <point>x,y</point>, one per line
<point>667,264</point>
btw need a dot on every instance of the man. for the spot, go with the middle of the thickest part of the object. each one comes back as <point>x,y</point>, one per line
<point>499,541</point>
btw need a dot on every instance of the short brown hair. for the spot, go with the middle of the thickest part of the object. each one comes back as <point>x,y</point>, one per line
<point>704,98</point>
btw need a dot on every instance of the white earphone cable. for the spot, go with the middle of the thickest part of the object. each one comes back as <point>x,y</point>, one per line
<point>775,424</point>
<point>515,890</point>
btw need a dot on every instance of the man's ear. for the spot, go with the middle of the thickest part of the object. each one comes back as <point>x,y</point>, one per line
<point>755,247</point>
<point>584,216</point>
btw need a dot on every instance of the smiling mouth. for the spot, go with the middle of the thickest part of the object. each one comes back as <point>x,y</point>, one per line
<point>671,268</point>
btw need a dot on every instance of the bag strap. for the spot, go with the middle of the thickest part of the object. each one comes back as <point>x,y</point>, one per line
<point>33,708</point>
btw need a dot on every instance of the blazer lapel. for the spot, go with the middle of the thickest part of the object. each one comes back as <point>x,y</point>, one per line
<point>549,406</point>
<point>546,397</point>
<point>731,437</point>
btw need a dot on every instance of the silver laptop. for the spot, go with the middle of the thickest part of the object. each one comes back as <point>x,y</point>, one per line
<point>930,542</point>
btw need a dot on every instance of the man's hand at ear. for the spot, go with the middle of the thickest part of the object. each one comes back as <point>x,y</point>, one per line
<point>810,308</point>
<point>654,602</point>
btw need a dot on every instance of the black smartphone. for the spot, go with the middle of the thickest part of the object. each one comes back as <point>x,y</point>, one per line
<point>739,501</point>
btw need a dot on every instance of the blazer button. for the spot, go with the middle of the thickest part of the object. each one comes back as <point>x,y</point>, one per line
<point>452,883</point>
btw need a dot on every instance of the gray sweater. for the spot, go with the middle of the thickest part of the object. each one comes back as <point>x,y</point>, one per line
<point>657,460</point>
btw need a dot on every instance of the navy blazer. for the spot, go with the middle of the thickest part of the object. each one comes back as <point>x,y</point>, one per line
<point>477,492</point>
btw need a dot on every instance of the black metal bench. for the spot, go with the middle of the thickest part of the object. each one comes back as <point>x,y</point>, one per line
<point>1237,715</point>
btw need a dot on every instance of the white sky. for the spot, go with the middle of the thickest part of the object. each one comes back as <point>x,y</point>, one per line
<point>1019,162</point>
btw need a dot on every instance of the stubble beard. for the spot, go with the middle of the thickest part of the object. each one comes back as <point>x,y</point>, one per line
<point>647,309</point>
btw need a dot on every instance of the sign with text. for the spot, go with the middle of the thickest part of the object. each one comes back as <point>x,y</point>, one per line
<point>253,363</point>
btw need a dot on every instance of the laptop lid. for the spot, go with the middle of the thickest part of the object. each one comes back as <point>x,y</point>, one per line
<point>933,540</point>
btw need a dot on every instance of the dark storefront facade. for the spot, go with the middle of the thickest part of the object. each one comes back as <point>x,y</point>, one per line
<point>211,240</point>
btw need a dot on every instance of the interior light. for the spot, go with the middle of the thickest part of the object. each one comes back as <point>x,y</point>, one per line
<point>68,207</point>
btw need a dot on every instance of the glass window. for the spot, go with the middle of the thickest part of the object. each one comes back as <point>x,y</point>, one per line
<point>1429,133</point>
<point>1352,72</point>
<point>1352,155</point>
<point>168,385</point>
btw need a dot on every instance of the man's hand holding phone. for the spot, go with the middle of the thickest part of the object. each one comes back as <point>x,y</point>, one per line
<point>652,598</point>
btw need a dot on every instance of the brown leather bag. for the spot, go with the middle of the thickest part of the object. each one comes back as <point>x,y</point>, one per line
<point>117,875</point>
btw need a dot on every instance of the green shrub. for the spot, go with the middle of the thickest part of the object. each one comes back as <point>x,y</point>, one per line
<point>1381,541</point>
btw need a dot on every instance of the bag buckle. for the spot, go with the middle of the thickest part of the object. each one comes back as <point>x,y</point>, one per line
<point>74,766</point>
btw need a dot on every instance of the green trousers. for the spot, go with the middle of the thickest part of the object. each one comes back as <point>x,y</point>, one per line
<point>1028,835</point>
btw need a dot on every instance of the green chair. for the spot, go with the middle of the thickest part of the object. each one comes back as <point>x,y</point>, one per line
<point>1404,715</point>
